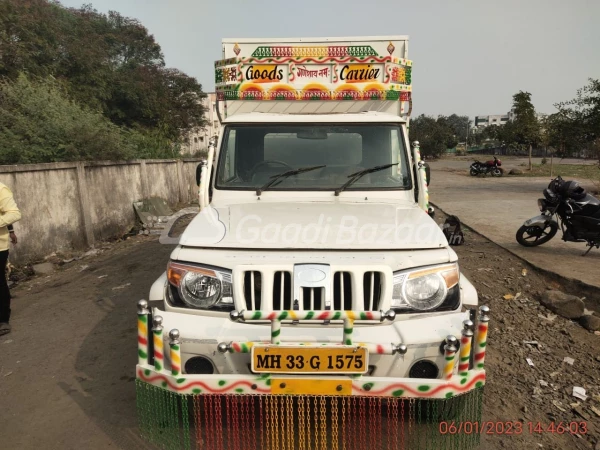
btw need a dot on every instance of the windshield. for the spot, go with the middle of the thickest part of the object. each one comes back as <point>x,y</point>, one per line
<point>253,154</point>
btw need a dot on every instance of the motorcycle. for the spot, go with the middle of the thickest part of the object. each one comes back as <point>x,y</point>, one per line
<point>577,212</point>
<point>492,166</point>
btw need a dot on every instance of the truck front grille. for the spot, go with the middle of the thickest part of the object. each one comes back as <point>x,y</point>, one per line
<point>252,290</point>
<point>282,291</point>
<point>372,290</point>
<point>342,291</point>
<point>274,290</point>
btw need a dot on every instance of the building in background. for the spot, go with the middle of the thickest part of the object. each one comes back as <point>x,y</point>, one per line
<point>484,121</point>
<point>197,141</point>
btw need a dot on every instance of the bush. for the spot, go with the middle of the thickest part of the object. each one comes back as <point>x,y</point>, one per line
<point>153,144</point>
<point>40,123</point>
<point>544,160</point>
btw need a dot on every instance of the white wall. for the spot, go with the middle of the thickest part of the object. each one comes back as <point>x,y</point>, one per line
<point>70,206</point>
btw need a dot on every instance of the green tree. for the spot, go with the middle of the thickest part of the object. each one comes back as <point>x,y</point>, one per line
<point>31,33</point>
<point>460,126</point>
<point>40,123</point>
<point>434,135</point>
<point>578,120</point>
<point>524,130</point>
<point>106,62</point>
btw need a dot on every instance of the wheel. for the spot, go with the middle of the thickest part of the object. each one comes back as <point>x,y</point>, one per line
<point>496,172</point>
<point>473,172</point>
<point>533,236</point>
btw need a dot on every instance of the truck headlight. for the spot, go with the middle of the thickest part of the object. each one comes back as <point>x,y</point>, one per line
<point>201,287</point>
<point>425,288</point>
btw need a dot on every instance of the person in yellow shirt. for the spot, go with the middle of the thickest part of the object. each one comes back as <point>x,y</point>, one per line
<point>9,214</point>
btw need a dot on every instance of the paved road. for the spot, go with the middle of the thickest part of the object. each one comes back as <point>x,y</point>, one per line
<point>497,207</point>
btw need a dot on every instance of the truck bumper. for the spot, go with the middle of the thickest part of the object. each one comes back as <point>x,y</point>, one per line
<point>232,407</point>
<point>424,337</point>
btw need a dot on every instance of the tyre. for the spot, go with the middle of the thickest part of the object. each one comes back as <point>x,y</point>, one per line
<point>473,172</point>
<point>534,236</point>
<point>496,172</point>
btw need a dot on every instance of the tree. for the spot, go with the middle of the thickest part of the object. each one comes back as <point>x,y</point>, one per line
<point>434,135</point>
<point>579,119</point>
<point>524,130</point>
<point>151,97</point>
<point>459,125</point>
<point>40,123</point>
<point>104,62</point>
<point>31,32</point>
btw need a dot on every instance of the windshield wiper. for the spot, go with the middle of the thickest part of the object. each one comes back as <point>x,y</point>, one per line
<point>354,177</point>
<point>283,175</point>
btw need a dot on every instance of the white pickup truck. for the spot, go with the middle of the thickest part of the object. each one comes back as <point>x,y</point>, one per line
<point>313,301</point>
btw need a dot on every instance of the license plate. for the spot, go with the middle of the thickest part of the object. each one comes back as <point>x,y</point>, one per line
<point>298,359</point>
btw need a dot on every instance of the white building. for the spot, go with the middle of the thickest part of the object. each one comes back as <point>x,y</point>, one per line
<point>198,141</point>
<point>484,121</point>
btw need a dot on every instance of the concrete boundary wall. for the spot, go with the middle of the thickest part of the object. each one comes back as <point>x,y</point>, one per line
<point>72,205</point>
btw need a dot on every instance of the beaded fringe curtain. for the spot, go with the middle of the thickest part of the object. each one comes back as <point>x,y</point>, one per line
<point>306,422</point>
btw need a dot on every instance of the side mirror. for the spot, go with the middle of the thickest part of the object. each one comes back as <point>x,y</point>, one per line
<point>199,172</point>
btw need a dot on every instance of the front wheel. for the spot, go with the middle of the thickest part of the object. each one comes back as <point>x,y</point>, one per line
<point>532,236</point>
<point>497,172</point>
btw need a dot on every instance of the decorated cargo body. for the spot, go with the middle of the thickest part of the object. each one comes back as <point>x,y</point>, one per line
<point>313,302</point>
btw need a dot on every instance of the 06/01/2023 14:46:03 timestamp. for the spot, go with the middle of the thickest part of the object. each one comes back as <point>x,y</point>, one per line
<point>512,427</point>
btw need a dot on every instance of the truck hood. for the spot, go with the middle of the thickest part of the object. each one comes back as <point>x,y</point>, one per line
<point>314,225</point>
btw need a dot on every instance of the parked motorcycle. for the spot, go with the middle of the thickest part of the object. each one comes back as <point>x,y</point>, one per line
<point>577,212</point>
<point>492,166</point>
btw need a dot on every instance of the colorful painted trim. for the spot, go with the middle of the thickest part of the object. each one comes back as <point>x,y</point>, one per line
<point>205,384</point>
<point>480,344</point>
<point>232,84</point>
<point>465,352</point>
<point>158,348</point>
<point>423,186</point>
<point>361,386</point>
<point>348,330</point>
<point>373,349</point>
<point>401,93</point>
<point>312,315</point>
<point>314,59</point>
<point>335,51</point>
<point>275,332</point>
<point>401,75</point>
<point>449,357</point>
<point>419,388</point>
<point>226,62</point>
<point>142,325</point>
<point>175,359</point>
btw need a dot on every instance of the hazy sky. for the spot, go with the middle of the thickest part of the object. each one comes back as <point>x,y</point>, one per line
<point>469,57</point>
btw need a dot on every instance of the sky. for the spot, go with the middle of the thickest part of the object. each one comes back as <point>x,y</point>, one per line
<point>469,57</point>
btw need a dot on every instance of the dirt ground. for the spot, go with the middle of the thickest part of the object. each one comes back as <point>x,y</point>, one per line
<point>66,371</point>
<point>516,391</point>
